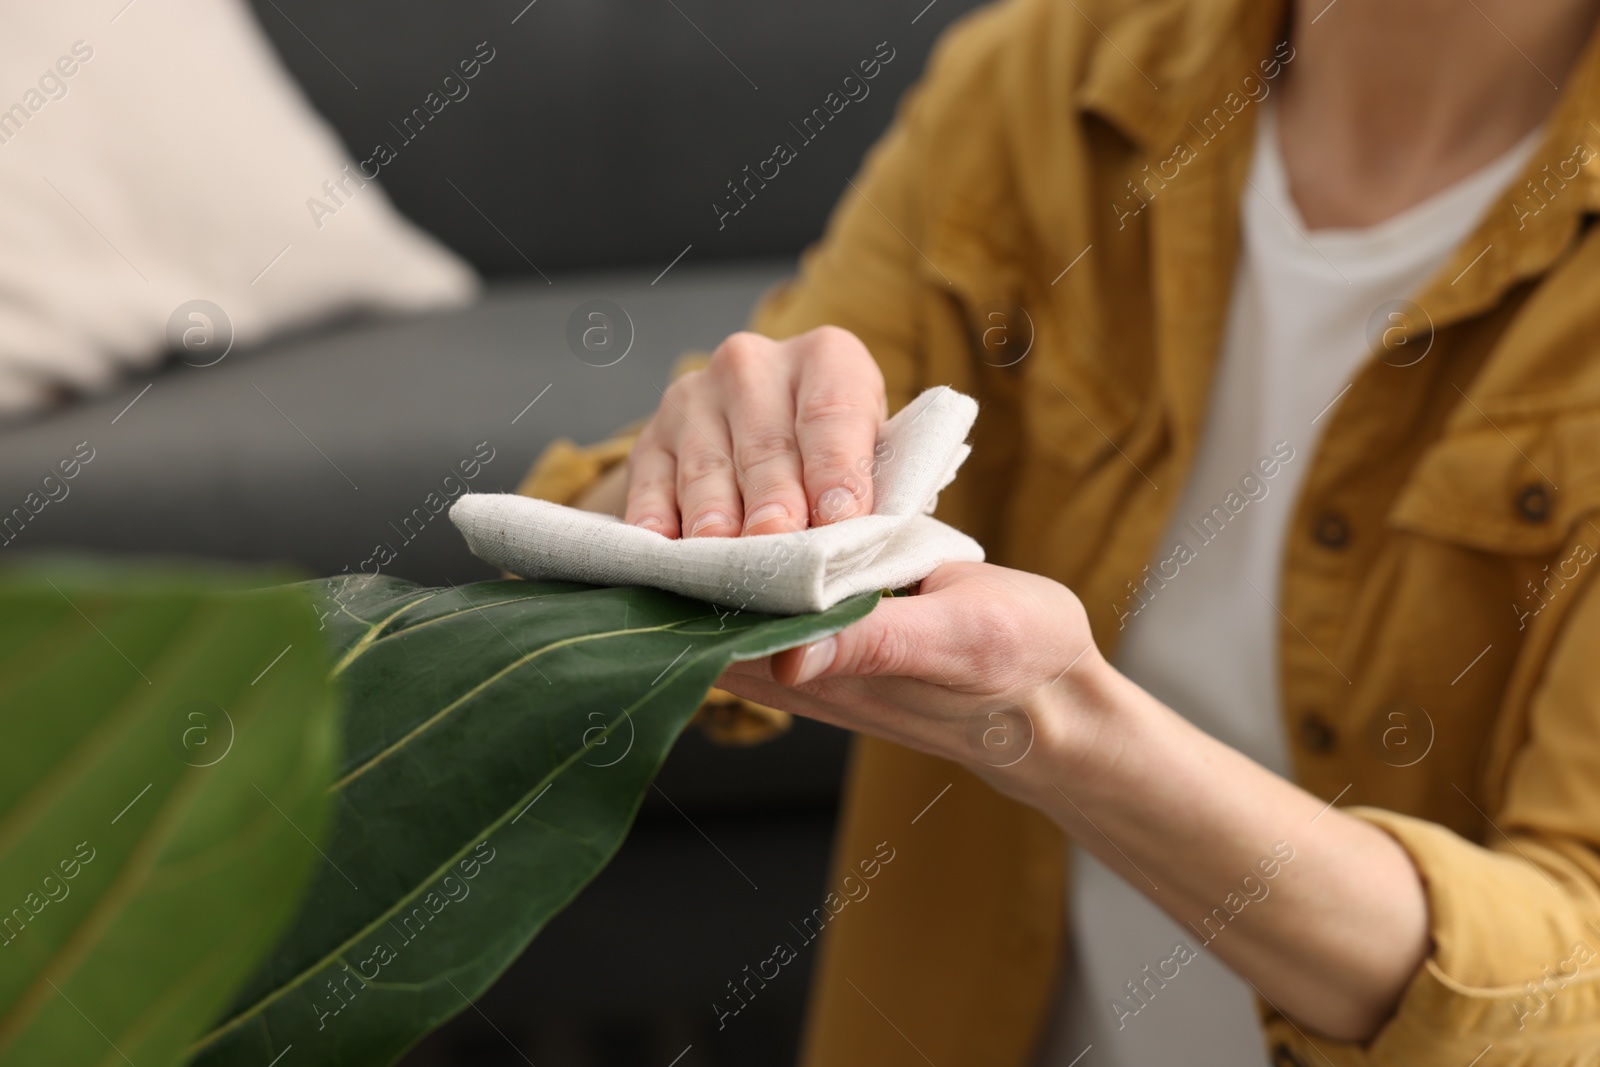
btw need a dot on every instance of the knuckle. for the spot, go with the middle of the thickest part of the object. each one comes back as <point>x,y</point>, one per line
<point>835,337</point>
<point>699,465</point>
<point>642,480</point>
<point>833,404</point>
<point>740,352</point>
<point>997,634</point>
<point>685,384</point>
<point>828,460</point>
<point>839,345</point>
<point>651,487</point>
<point>766,445</point>
<point>701,474</point>
<point>882,651</point>
<point>678,393</point>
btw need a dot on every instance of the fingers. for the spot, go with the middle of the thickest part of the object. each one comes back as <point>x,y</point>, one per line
<point>708,491</point>
<point>839,405</point>
<point>652,487</point>
<point>681,482</point>
<point>773,436</point>
<point>764,447</point>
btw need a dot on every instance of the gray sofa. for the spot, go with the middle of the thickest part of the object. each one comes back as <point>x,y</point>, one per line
<point>597,143</point>
<point>319,449</point>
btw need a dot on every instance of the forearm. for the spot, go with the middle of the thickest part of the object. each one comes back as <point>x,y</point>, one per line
<point>1338,930</point>
<point>1335,933</point>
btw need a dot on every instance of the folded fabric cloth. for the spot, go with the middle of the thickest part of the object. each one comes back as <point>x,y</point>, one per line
<point>919,451</point>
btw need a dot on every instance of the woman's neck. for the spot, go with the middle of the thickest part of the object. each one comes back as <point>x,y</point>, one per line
<point>1390,101</point>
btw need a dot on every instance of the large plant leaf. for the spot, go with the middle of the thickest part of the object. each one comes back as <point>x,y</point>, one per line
<point>168,741</point>
<point>498,742</point>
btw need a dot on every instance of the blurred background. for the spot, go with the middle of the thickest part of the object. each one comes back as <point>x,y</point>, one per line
<point>588,158</point>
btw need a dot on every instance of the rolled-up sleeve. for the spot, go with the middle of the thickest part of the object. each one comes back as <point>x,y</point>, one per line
<point>1514,975</point>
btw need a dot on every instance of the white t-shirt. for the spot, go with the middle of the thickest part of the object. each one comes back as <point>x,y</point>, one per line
<point>1204,642</point>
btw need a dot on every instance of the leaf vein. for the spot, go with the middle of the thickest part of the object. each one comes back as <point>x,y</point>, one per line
<point>433,720</point>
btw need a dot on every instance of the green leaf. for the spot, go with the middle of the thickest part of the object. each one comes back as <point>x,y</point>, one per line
<point>498,742</point>
<point>161,768</point>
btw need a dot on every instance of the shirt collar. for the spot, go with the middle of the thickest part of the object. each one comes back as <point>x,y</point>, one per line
<point>1158,66</point>
<point>1538,216</point>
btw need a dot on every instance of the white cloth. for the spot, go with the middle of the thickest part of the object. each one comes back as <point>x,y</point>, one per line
<point>1205,642</point>
<point>918,453</point>
<point>159,169</point>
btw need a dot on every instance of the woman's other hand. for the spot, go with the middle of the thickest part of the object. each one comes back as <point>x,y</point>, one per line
<point>771,437</point>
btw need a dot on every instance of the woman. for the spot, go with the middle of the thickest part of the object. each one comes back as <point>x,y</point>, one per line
<point>1282,320</point>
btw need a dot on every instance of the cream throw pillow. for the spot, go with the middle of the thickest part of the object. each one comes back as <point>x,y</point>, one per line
<point>158,154</point>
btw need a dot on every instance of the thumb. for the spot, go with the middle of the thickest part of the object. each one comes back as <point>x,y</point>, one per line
<point>879,644</point>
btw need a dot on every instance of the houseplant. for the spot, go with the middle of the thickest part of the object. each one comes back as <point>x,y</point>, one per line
<point>495,742</point>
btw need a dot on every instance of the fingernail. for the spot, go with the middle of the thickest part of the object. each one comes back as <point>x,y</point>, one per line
<point>818,658</point>
<point>650,522</point>
<point>765,513</point>
<point>836,503</point>
<point>710,518</point>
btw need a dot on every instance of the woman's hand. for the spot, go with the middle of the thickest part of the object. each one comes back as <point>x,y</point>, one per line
<point>771,437</point>
<point>971,669</point>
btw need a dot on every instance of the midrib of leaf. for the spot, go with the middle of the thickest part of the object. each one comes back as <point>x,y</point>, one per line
<point>517,664</point>
<point>370,638</point>
<point>130,879</point>
<point>188,643</point>
<point>610,728</point>
<point>373,628</point>
<point>334,954</point>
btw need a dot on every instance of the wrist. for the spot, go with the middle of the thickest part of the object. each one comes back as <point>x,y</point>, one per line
<point>1096,735</point>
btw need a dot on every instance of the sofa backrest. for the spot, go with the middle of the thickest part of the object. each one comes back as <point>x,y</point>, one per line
<point>605,132</point>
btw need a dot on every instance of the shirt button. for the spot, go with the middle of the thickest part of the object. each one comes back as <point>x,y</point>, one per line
<point>1331,531</point>
<point>1283,1056</point>
<point>1315,733</point>
<point>1533,503</point>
